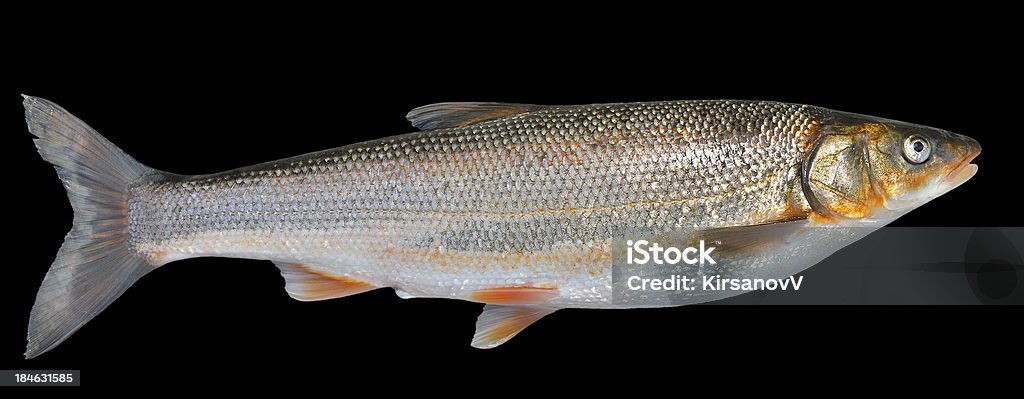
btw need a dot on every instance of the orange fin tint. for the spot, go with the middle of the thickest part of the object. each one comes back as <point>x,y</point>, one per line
<point>306,284</point>
<point>516,295</point>
<point>498,324</point>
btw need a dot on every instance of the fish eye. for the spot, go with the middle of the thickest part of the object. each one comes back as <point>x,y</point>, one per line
<point>916,149</point>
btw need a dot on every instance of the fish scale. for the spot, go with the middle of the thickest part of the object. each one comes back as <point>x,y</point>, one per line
<point>521,200</point>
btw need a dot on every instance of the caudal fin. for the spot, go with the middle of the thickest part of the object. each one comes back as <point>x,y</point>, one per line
<point>95,265</point>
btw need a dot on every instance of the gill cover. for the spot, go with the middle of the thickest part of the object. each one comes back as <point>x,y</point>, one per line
<point>837,176</point>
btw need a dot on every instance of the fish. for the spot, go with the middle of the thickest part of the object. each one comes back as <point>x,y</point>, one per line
<point>522,208</point>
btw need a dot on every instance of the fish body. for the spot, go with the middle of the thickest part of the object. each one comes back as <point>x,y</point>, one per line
<point>520,207</point>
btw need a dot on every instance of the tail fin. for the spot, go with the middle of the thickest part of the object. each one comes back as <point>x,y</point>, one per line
<point>95,265</point>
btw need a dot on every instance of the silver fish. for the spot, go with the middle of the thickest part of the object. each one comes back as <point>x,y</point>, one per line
<point>516,206</point>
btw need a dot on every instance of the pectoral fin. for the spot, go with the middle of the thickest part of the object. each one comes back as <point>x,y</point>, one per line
<point>498,324</point>
<point>308,284</point>
<point>743,240</point>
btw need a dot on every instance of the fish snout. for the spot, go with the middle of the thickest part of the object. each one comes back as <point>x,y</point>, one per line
<point>963,150</point>
<point>968,148</point>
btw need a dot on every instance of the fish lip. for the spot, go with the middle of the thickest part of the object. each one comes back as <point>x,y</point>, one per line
<point>962,172</point>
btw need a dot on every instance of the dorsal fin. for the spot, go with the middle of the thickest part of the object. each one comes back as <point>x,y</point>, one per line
<point>445,115</point>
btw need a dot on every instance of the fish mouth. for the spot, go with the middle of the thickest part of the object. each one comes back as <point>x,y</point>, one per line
<point>962,173</point>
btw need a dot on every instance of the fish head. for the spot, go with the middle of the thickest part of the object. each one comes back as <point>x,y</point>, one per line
<point>911,165</point>
<point>874,171</point>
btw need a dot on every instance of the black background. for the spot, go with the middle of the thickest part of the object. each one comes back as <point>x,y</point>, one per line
<point>199,103</point>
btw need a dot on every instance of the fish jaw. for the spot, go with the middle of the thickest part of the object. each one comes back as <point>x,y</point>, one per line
<point>957,177</point>
<point>970,150</point>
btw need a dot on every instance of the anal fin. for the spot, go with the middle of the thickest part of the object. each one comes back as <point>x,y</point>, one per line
<point>307,284</point>
<point>498,324</point>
